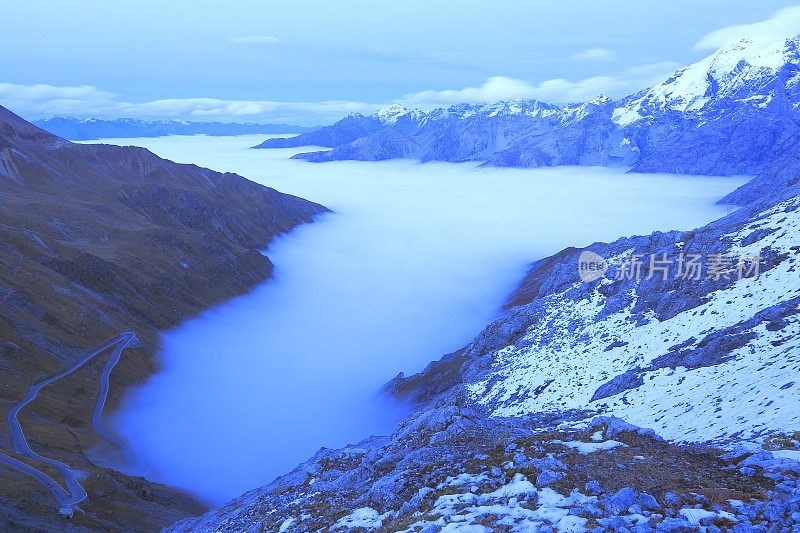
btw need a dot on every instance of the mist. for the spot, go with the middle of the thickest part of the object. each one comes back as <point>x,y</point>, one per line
<point>415,261</point>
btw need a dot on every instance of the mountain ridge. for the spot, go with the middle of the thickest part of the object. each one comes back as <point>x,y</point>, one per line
<point>97,240</point>
<point>77,129</point>
<point>723,115</point>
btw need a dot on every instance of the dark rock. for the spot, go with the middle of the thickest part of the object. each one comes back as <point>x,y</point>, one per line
<point>594,488</point>
<point>620,501</point>
<point>548,477</point>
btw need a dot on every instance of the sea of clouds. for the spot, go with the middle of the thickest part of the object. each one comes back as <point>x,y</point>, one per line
<point>416,259</point>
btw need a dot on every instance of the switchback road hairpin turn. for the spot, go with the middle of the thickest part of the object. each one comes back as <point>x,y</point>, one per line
<point>74,493</point>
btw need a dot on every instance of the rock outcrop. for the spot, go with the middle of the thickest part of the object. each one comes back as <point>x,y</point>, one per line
<point>451,468</point>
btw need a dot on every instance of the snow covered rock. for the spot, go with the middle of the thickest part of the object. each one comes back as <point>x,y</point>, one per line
<point>674,355</point>
<point>445,486</point>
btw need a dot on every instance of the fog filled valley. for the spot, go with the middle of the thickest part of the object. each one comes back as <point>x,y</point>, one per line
<point>413,262</point>
<point>403,267</point>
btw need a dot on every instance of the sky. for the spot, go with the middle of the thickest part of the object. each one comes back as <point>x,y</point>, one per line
<point>311,62</point>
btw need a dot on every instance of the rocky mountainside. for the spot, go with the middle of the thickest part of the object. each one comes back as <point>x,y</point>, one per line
<point>350,128</point>
<point>726,114</point>
<point>537,425</point>
<point>674,351</point>
<point>453,469</point>
<point>96,240</point>
<point>77,129</point>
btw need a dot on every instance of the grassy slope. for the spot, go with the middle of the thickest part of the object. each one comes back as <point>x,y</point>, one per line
<point>95,240</point>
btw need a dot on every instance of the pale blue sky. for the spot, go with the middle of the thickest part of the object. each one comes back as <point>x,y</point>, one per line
<point>309,62</point>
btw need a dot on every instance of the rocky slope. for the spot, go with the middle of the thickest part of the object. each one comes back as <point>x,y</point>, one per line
<point>675,354</point>
<point>453,469</point>
<point>536,424</point>
<point>727,114</point>
<point>348,129</point>
<point>96,240</point>
<point>86,129</point>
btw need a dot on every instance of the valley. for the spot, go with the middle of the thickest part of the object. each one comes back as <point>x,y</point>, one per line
<point>98,241</point>
<point>349,287</point>
<point>412,267</point>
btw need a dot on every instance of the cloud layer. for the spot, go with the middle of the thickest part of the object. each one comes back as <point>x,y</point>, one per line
<point>555,91</point>
<point>415,262</point>
<point>784,24</point>
<point>593,54</point>
<point>36,101</point>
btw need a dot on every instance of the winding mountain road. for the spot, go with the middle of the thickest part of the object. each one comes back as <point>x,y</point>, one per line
<point>74,493</point>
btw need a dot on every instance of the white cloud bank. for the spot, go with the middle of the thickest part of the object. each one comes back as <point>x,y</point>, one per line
<point>593,54</point>
<point>557,90</point>
<point>784,24</point>
<point>36,101</point>
<point>396,278</point>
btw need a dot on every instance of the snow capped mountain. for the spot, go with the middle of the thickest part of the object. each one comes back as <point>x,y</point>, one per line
<point>727,114</point>
<point>529,108</point>
<point>745,72</point>
<point>92,128</point>
<point>352,127</point>
<point>389,115</point>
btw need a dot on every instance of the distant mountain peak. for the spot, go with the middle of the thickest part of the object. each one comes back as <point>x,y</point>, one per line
<point>745,70</point>
<point>390,114</point>
<point>727,114</point>
<point>600,100</point>
<point>79,129</point>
